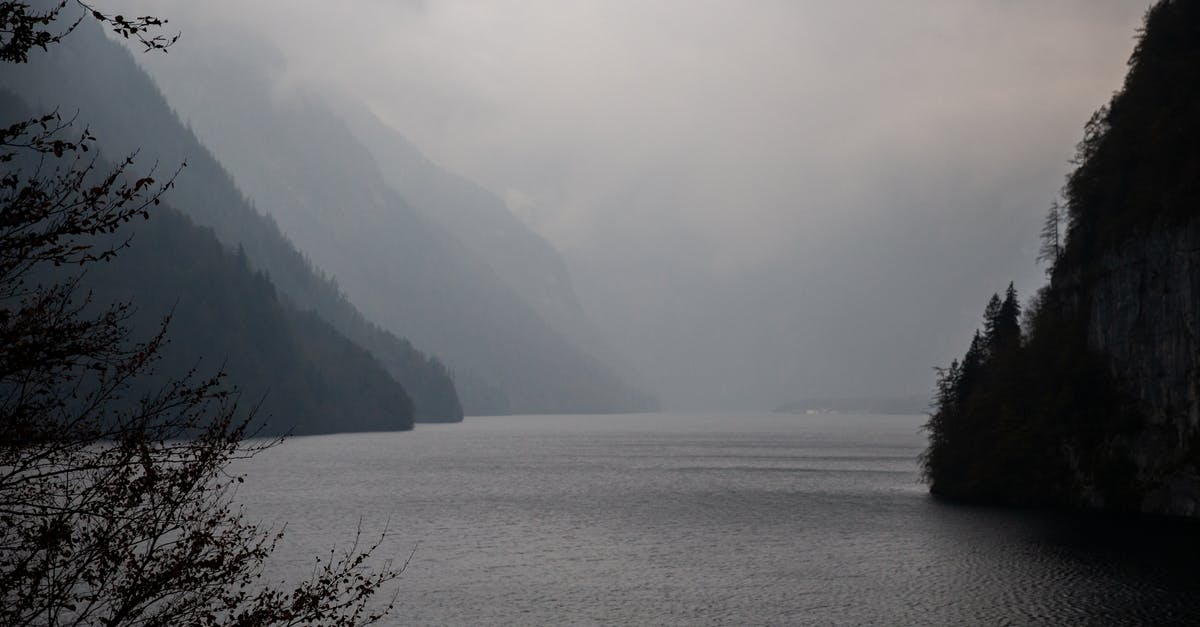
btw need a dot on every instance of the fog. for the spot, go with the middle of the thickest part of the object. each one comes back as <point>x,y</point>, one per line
<point>758,201</point>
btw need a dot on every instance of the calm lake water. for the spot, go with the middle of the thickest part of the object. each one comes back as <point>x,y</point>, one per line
<point>703,519</point>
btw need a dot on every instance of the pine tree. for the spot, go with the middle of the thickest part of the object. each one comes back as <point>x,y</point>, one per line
<point>972,366</point>
<point>1008,322</point>
<point>1052,241</point>
<point>991,322</point>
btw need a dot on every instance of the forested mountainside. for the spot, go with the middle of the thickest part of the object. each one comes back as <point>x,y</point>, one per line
<point>302,375</point>
<point>300,163</point>
<point>1096,401</point>
<point>308,377</point>
<point>95,78</point>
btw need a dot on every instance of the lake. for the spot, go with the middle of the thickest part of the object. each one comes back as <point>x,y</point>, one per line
<point>705,520</point>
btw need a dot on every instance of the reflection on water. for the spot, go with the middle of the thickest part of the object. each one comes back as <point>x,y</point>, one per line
<point>701,519</point>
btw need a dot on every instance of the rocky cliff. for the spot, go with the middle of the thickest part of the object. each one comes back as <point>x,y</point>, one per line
<point>1135,244</point>
<point>1144,319</point>
<point>1097,405</point>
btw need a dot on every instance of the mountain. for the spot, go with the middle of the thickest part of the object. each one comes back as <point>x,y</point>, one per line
<point>95,77</point>
<point>306,377</point>
<point>524,260</point>
<point>427,279</point>
<point>1098,404</point>
<point>300,374</point>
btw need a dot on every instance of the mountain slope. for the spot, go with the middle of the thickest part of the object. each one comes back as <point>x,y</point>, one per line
<point>525,261</point>
<point>302,165</point>
<point>1099,405</point>
<point>301,375</point>
<point>307,376</point>
<point>90,74</point>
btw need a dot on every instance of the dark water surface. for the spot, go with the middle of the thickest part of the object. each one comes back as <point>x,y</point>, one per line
<point>701,519</point>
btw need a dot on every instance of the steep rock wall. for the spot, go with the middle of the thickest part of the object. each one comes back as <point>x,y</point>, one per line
<point>1143,302</point>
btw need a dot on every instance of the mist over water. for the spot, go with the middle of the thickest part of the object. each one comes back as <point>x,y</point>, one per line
<point>751,198</point>
<point>395,214</point>
<point>693,519</point>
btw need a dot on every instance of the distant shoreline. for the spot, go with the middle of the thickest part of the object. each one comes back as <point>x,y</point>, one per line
<point>887,406</point>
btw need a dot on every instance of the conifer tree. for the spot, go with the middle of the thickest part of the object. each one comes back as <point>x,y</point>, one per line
<point>1052,241</point>
<point>1008,320</point>
<point>991,324</point>
<point>972,365</point>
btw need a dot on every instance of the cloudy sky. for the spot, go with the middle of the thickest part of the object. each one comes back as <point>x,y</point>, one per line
<point>760,200</point>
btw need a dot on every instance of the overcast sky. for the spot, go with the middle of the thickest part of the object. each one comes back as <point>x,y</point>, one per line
<point>760,199</point>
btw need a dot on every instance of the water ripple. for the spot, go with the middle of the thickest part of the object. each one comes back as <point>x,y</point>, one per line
<point>683,520</point>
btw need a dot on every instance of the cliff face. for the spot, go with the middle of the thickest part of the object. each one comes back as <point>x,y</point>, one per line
<point>1135,241</point>
<point>1098,404</point>
<point>1144,320</point>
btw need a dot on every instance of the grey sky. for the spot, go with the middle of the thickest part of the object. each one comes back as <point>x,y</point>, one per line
<point>743,187</point>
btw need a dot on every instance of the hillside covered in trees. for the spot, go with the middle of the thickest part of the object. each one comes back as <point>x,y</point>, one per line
<point>428,255</point>
<point>96,81</point>
<point>300,373</point>
<point>1091,397</point>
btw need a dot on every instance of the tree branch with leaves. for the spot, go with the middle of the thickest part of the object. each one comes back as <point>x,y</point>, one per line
<point>115,509</point>
<point>23,27</point>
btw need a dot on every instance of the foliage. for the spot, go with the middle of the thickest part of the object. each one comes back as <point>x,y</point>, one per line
<point>1024,422</point>
<point>309,379</point>
<point>1137,163</point>
<point>1041,419</point>
<point>116,509</point>
<point>23,27</point>
<point>1052,237</point>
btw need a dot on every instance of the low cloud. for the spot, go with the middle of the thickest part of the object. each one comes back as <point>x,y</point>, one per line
<point>821,163</point>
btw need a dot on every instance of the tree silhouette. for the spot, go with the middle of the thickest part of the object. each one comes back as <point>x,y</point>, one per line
<point>23,27</point>
<point>1052,241</point>
<point>117,510</point>
<point>1064,416</point>
<point>991,322</point>
<point>1008,322</point>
